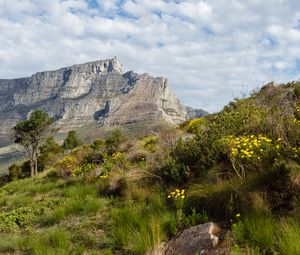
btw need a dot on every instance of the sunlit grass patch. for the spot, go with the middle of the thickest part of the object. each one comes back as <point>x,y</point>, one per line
<point>256,230</point>
<point>289,237</point>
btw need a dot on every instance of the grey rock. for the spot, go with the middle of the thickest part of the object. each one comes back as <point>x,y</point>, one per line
<point>95,92</point>
<point>195,113</point>
<point>200,239</point>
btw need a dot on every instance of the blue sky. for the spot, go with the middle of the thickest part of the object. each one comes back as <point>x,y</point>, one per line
<point>211,50</point>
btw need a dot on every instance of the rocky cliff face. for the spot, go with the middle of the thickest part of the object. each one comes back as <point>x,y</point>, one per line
<point>92,92</point>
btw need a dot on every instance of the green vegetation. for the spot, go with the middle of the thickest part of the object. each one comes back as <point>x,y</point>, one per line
<point>30,133</point>
<point>72,141</point>
<point>125,195</point>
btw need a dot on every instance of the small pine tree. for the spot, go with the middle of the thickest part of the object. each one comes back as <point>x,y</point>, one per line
<point>31,133</point>
<point>72,140</point>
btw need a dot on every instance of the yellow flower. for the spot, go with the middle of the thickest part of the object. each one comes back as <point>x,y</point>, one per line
<point>238,215</point>
<point>183,196</point>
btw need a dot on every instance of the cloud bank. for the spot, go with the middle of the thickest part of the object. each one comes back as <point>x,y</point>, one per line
<point>210,50</point>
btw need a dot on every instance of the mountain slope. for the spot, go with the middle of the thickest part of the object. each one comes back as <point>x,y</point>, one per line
<point>92,92</point>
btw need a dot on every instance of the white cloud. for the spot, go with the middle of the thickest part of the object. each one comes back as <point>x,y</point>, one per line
<point>210,50</point>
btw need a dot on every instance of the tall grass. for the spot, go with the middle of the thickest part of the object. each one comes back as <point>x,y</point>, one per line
<point>253,250</point>
<point>256,230</point>
<point>80,200</point>
<point>55,241</point>
<point>139,226</point>
<point>289,237</point>
<point>79,190</point>
<point>9,243</point>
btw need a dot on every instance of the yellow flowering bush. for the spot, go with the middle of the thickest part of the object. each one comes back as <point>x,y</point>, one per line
<point>194,125</point>
<point>116,160</point>
<point>251,151</point>
<point>84,169</point>
<point>296,118</point>
<point>118,157</point>
<point>149,142</point>
<point>66,165</point>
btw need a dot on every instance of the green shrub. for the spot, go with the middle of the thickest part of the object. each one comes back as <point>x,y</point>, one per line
<point>71,141</point>
<point>149,142</point>
<point>15,172</point>
<point>114,140</point>
<point>98,144</point>
<point>19,171</point>
<point>276,183</point>
<point>13,220</point>
<point>50,146</point>
<point>94,157</point>
<point>190,158</point>
<point>84,169</point>
<point>47,151</point>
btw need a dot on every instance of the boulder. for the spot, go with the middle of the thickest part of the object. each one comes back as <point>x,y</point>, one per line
<point>200,239</point>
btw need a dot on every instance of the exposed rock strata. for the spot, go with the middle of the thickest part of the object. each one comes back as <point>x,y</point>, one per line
<point>92,92</point>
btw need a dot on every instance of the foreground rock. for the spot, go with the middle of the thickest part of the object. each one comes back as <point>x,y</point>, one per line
<point>96,92</point>
<point>200,239</point>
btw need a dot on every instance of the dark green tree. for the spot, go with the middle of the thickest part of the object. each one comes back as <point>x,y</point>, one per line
<point>31,133</point>
<point>114,140</point>
<point>72,140</point>
<point>47,151</point>
<point>50,146</point>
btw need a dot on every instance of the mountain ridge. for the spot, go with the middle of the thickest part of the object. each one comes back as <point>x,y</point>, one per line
<point>96,91</point>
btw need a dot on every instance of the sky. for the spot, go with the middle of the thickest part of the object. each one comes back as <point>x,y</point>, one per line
<point>211,51</point>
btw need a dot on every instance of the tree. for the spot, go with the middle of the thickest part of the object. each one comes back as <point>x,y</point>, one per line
<point>31,133</point>
<point>48,150</point>
<point>71,141</point>
<point>113,141</point>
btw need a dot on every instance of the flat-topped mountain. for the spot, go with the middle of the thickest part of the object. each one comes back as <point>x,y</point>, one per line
<point>97,91</point>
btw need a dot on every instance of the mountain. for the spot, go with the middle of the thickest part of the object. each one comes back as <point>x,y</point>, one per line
<point>95,92</point>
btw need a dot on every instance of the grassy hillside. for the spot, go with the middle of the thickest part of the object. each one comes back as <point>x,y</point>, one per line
<point>122,194</point>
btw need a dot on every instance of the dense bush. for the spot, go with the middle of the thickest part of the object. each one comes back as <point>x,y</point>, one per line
<point>19,171</point>
<point>190,158</point>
